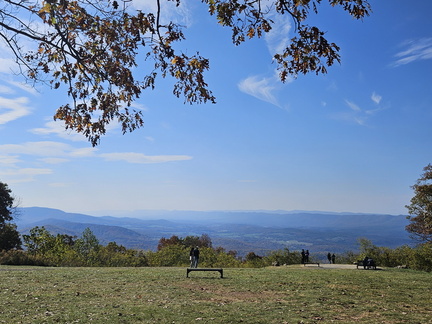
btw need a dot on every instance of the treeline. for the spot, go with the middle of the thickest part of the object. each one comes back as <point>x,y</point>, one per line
<point>45,249</point>
<point>418,257</point>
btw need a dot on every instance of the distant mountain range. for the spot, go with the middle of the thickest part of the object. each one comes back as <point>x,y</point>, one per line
<point>242,231</point>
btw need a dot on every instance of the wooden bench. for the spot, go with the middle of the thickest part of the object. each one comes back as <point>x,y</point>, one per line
<point>317,263</point>
<point>204,269</point>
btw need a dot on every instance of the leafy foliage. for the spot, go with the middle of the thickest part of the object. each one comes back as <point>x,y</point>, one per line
<point>420,209</point>
<point>44,248</point>
<point>96,50</point>
<point>189,241</point>
<point>417,258</point>
<point>9,236</point>
<point>6,203</point>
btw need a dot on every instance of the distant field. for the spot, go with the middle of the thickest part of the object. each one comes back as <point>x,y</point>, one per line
<point>291,294</point>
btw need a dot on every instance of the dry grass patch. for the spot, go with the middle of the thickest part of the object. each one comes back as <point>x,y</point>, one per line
<point>165,295</point>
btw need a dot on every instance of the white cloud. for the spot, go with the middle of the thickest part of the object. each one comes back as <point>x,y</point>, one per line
<point>359,115</point>
<point>56,152</point>
<point>9,159</point>
<point>415,50</point>
<point>19,175</point>
<point>54,160</point>
<point>6,65</point>
<point>140,158</point>
<point>11,109</point>
<point>376,98</point>
<point>260,88</point>
<point>169,10</point>
<point>58,128</point>
<point>45,149</point>
<point>352,105</point>
<point>5,89</point>
<point>51,153</point>
<point>278,38</point>
<point>24,86</point>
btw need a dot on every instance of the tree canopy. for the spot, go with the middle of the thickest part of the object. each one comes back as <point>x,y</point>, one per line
<point>9,236</point>
<point>420,209</point>
<point>6,203</point>
<point>105,53</point>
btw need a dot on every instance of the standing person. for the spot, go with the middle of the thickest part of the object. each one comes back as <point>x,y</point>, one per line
<point>191,257</point>
<point>307,256</point>
<point>196,254</point>
<point>333,259</point>
<point>329,257</point>
<point>303,256</point>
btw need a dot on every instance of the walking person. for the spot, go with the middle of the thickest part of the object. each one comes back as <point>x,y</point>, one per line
<point>303,256</point>
<point>307,256</point>
<point>333,259</point>
<point>329,257</point>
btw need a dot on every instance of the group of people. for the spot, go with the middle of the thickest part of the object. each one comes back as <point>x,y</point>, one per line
<point>305,257</point>
<point>369,263</point>
<point>331,258</point>
<point>194,257</point>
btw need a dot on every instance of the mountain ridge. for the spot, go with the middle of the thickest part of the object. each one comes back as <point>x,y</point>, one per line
<point>243,231</point>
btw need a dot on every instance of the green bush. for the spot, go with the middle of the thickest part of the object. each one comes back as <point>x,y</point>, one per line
<point>19,257</point>
<point>422,258</point>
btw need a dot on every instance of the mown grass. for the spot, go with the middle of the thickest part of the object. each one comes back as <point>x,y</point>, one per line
<point>164,295</point>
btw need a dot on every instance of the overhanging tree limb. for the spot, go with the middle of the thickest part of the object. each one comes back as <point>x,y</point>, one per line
<point>92,47</point>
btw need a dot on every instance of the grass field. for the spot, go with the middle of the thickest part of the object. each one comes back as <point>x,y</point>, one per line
<point>292,294</point>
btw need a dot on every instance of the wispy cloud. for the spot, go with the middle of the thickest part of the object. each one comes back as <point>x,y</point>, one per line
<point>5,89</point>
<point>56,152</point>
<point>6,65</point>
<point>414,50</point>
<point>54,160</point>
<point>263,88</point>
<point>358,114</point>
<point>376,98</point>
<point>140,158</point>
<point>46,149</point>
<point>25,87</point>
<point>278,38</point>
<point>9,160</point>
<point>20,175</point>
<point>170,11</point>
<point>17,160</point>
<point>260,88</point>
<point>353,106</point>
<point>12,109</point>
<point>57,128</point>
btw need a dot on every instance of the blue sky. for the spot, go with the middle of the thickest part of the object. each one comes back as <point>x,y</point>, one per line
<point>353,140</point>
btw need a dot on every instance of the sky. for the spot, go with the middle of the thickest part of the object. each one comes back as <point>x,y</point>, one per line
<point>353,140</point>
